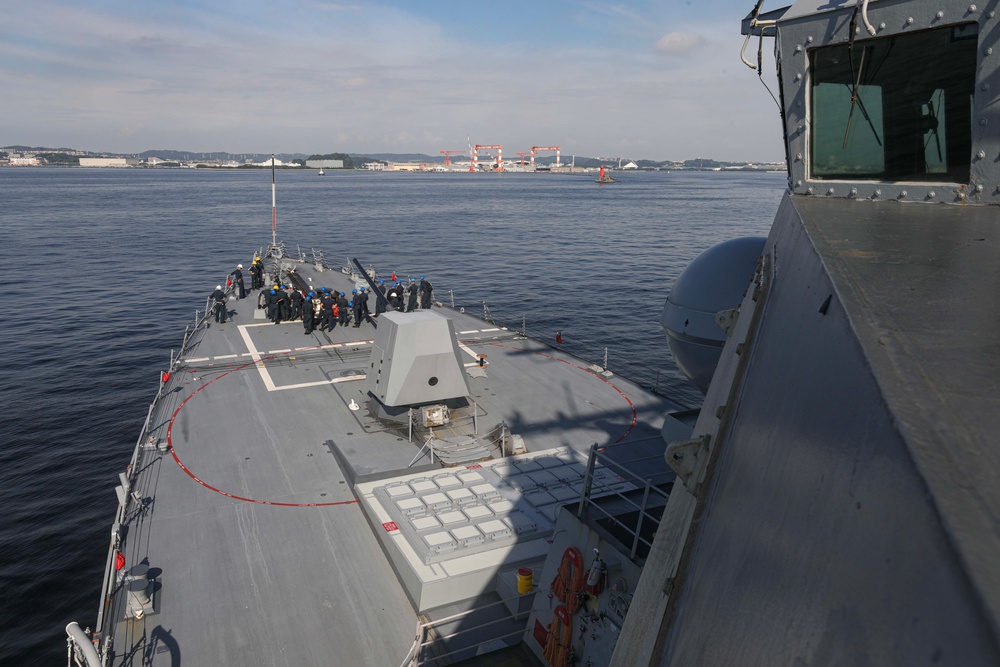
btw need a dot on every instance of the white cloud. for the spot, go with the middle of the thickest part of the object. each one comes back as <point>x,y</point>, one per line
<point>678,42</point>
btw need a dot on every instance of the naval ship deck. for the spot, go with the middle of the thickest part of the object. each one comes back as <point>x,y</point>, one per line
<point>244,526</point>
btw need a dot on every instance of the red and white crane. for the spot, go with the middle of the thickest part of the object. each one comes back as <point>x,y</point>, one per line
<point>474,164</point>
<point>447,156</point>
<point>536,149</point>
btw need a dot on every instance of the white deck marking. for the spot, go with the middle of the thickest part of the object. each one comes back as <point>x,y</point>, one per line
<point>255,355</point>
<point>265,376</point>
<point>493,329</point>
<point>198,360</point>
<point>226,356</point>
<point>469,331</point>
<point>468,351</point>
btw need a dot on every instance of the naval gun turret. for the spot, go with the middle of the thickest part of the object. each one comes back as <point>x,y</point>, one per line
<point>414,363</point>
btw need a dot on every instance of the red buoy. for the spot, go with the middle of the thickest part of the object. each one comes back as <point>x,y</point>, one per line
<point>165,377</point>
<point>119,560</point>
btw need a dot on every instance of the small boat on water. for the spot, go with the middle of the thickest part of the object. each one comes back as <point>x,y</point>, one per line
<point>320,172</point>
<point>604,178</point>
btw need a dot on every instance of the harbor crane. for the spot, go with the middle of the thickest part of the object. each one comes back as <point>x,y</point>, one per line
<point>474,164</point>
<point>536,149</point>
<point>447,156</point>
<point>522,154</point>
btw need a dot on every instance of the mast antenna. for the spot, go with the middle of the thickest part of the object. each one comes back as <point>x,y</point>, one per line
<point>274,209</point>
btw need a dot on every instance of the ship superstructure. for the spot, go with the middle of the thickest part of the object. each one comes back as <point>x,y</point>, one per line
<point>840,501</point>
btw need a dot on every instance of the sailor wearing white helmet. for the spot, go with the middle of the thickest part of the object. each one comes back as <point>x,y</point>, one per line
<point>219,304</point>
<point>238,277</point>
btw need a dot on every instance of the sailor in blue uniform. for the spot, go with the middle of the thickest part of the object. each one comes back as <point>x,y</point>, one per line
<point>425,292</point>
<point>326,312</point>
<point>365,313</point>
<point>355,305</point>
<point>380,302</point>
<point>411,303</point>
<point>343,305</point>
<point>307,313</point>
<point>238,276</point>
<point>219,307</point>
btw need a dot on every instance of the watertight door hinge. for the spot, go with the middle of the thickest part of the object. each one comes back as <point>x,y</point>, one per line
<point>684,455</point>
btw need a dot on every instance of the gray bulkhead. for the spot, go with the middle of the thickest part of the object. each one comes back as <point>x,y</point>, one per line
<point>841,502</point>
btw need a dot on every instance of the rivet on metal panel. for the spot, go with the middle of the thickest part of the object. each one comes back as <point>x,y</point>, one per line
<point>902,194</point>
<point>972,9</point>
<point>876,194</point>
<point>853,192</point>
<point>931,194</point>
<point>940,14</point>
<point>829,192</point>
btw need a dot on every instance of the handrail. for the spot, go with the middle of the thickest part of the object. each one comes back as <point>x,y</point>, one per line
<point>643,506</point>
<point>412,658</point>
<point>102,636</point>
<point>84,647</point>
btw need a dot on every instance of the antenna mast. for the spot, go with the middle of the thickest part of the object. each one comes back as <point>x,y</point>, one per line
<point>274,209</point>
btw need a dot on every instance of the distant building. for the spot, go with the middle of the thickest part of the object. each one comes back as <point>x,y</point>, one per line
<point>109,162</point>
<point>374,166</point>
<point>277,163</point>
<point>630,165</point>
<point>325,164</point>
<point>407,166</point>
<point>24,161</point>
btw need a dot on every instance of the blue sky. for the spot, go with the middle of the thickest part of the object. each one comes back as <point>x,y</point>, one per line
<point>644,80</point>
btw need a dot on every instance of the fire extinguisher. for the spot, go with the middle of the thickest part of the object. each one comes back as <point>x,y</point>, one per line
<point>595,576</point>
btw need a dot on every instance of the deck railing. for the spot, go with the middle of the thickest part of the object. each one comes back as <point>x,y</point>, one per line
<point>423,643</point>
<point>651,492</point>
<point>102,637</point>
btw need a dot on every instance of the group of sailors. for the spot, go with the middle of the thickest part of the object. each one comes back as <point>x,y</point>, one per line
<point>323,309</point>
<point>235,282</point>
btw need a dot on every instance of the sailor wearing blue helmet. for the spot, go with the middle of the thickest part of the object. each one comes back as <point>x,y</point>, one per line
<point>363,296</point>
<point>425,292</point>
<point>411,292</point>
<point>344,308</point>
<point>308,311</point>
<point>356,310</point>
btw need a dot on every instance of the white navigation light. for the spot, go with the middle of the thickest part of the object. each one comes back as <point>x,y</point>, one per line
<point>715,281</point>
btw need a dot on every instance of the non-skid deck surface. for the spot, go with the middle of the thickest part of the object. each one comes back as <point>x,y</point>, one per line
<point>260,552</point>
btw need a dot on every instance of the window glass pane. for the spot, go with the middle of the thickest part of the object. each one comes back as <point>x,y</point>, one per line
<point>894,109</point>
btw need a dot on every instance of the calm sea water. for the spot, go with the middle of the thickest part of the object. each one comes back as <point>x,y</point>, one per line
<point>104,268</point>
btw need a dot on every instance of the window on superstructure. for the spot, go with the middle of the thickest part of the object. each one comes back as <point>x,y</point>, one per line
<point>894,109</point>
